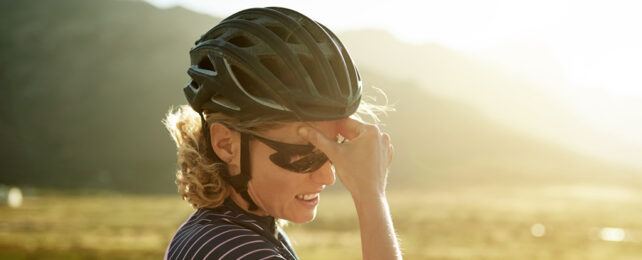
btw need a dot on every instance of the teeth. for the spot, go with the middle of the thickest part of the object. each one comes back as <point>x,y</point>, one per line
<point>307,196</point>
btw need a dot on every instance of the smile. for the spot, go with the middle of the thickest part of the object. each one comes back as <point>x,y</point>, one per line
<point>307,196</point>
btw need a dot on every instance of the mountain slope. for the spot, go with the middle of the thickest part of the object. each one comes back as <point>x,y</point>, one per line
<point>86,83</point>
<point>520,101</point>
<point>440,142</point>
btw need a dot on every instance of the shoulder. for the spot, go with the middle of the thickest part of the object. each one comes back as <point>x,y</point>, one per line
<point>215,235</point>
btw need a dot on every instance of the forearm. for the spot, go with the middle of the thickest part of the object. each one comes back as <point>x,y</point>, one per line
<point>378,239</point>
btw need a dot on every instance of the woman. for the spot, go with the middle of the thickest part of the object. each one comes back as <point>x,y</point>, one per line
<point>271,95</point>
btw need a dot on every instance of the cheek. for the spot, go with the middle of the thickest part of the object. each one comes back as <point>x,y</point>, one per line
<point>271,182</point>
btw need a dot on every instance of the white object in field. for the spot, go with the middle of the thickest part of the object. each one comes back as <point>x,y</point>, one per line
<point>612,234</point>
<point>538,230</point>
<point>15,197</point>
<point>11,196</point>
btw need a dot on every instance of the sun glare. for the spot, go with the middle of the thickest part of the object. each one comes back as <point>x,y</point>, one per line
<point>595,52</point>
<point>586,54</point>
<point>602,52</point>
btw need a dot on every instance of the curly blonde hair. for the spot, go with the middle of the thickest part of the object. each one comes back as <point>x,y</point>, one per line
<point>199,177</point>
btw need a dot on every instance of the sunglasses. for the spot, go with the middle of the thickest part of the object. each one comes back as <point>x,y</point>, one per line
<point>299,158</point>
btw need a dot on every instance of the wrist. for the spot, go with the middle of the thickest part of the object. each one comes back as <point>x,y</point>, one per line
<point>374,197</point>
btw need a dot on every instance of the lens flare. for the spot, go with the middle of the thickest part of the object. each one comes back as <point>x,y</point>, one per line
<point>612,234</point>
<point>538,230</point>
<point>14,198</point>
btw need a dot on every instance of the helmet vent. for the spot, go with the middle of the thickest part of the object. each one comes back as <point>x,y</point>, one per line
<point>340,73</point>
<point>217,34</point>
<point>317,34</point>
<point>248,83</point>
<point>277,67</point>
<point>241,41</point>
<point>252,88</point>
<point>193,84</point>
<point>211,35</point>
<point>284,34</point>
<point>314,73</point>
<point>206,64</point>
<point>249,17</point>
<point>223,101</point>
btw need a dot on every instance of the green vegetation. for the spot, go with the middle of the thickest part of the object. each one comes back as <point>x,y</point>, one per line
<point>489,223</point>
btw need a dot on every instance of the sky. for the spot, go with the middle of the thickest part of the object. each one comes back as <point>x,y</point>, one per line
<point>591,48</point>
<point>596,42</point>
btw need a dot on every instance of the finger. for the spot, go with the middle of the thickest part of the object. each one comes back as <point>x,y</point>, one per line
<point>350,127</point>
<point>386,137</point>
<point>391,154</point>
<point>319,140</point>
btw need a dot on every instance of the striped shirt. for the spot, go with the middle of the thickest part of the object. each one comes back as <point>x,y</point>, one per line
<point>229,232</point>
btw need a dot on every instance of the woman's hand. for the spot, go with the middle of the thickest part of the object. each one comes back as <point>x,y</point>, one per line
<point>362,165</point>
<point>362,162</point>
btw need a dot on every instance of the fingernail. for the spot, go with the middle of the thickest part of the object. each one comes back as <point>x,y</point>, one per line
<point>303,131</point>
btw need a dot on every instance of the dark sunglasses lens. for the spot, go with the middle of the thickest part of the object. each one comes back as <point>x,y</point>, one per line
<point>308,163</point>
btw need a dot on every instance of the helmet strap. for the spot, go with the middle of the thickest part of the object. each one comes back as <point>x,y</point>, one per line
<point>208,141</point>
<point>238,182</point>
<point>245,176</point>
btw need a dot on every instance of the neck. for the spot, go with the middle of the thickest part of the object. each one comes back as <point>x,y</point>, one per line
<point>238,199</point>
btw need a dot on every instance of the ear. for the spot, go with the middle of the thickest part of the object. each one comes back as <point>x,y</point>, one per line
<point>226,143</point>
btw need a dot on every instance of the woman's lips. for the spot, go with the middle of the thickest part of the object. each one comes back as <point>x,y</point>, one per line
<point>308,197</point>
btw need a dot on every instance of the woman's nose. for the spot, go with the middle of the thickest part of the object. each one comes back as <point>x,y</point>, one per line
<point>324,175</point>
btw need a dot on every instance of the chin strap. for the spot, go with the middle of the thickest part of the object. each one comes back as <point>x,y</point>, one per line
<point>238,182</point>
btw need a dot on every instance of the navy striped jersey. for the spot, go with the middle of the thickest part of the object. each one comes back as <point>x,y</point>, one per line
<point>229,232</point>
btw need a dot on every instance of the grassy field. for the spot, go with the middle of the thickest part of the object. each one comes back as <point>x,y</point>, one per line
<point>570,222</point>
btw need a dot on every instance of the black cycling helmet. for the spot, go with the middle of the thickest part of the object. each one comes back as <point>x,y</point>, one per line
<point>272,63</point>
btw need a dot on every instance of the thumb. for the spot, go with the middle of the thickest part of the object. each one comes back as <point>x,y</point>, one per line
<point>318,139</point>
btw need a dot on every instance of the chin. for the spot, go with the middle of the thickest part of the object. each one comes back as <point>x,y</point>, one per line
<point>304,218</point>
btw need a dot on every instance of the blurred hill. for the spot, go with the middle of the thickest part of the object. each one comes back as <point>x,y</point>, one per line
<point>530,95</point>
<point>86,83</point>
<point>443,143</point>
